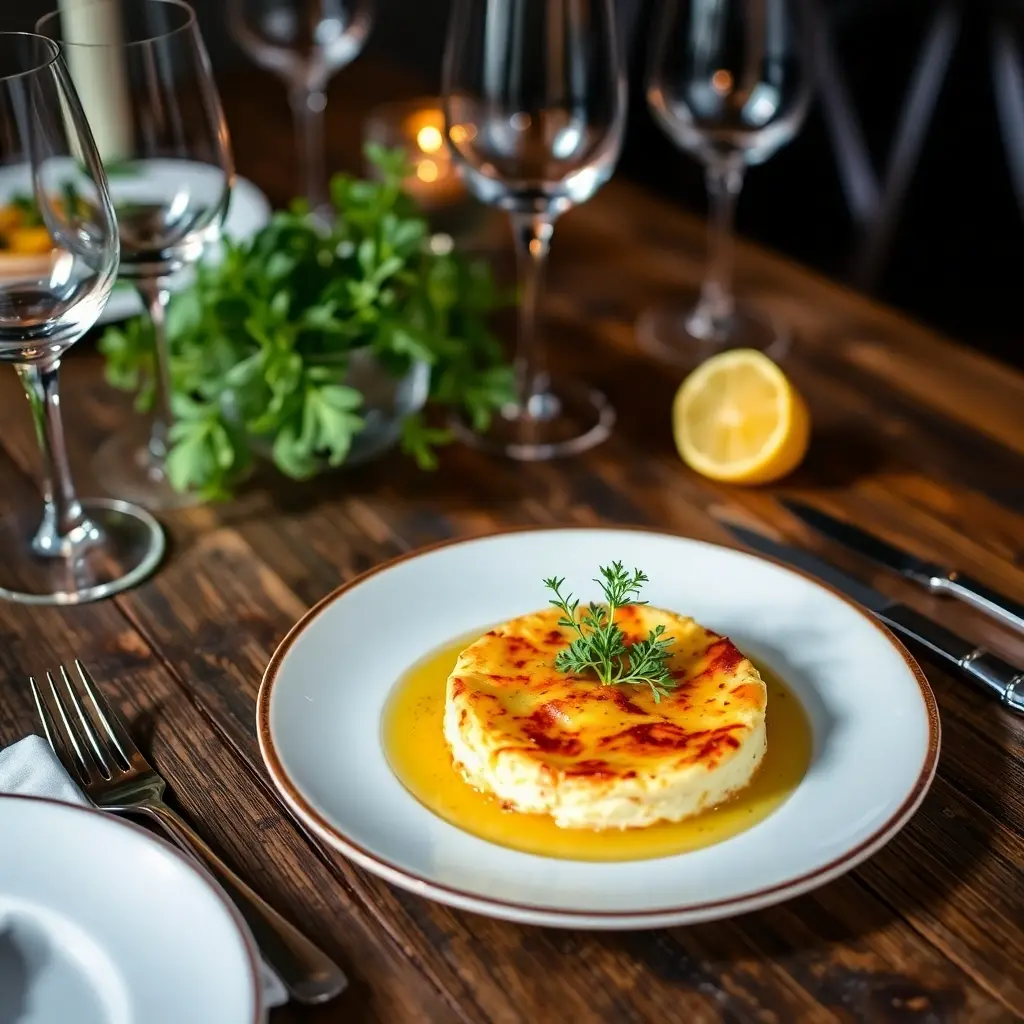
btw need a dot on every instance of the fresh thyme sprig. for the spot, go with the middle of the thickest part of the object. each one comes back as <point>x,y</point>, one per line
<point>600,646</point>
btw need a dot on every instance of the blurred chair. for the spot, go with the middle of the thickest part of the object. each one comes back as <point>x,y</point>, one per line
<point>874,199</point>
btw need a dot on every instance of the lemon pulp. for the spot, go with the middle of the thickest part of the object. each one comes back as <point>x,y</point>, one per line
<point>737,418</point>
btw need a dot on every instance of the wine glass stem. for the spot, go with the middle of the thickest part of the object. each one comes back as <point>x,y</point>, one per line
<point>155,297</point>
<point>64,524</point>
<point>308,105</point>
<point>533,240</point>
<point>715,309</point>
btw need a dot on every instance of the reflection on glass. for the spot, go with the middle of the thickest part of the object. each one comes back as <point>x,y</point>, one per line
<point>535,102</point>
<point>54,283</point>
<point>304,42</point>
<point>148,80</point>
<point>728,82</point>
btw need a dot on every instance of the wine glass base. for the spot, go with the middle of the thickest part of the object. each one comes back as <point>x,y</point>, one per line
<point>675,334</point>
<point>567,419</point>
<point>126,545</point>
<point>126,468</point>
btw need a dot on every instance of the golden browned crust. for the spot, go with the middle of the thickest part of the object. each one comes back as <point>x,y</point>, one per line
<point>576,727</point>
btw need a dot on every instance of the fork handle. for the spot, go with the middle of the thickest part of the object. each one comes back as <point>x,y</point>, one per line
<point>309,975</point>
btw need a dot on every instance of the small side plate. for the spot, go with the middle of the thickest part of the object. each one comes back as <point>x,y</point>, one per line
<point>248,211</point>
<point>102,923</point>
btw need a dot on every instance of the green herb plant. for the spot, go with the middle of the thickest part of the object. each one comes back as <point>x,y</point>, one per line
<point>600,646</point>
<point>259,345</point>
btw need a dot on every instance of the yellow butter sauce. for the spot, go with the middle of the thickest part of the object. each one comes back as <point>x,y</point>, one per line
<point>416,749</point>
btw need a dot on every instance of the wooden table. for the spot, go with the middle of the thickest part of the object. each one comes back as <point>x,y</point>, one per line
<point>915,437</point>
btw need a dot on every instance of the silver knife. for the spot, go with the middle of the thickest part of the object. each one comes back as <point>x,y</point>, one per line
<point>977,665</point>
<point>934,577</point>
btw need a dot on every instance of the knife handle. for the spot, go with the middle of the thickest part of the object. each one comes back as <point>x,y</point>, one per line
<point>985,599</point>
<point>979,666</point>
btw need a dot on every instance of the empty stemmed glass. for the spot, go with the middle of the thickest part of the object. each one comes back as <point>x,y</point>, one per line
<point>76,550</point>
<point>148,87</point>
<point>728,82</point>
<point>535,109</point>
<point>304,42</point>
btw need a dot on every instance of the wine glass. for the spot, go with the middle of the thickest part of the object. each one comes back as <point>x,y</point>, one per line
<point>535,110</point>
<point>304,42</point>
<point>76,550</point>
<point>728,81</point>
<point>148,90</point>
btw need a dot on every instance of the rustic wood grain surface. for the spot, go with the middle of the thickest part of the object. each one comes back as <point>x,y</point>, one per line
<point>915,437</point>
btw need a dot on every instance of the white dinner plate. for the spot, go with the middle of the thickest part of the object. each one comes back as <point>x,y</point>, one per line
<point>101,923</point>
<point>874,722</point>
<point>248,211</point>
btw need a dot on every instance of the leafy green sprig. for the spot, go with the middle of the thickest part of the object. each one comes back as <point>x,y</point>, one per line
<point>260,344</point>
<point>600,645</point>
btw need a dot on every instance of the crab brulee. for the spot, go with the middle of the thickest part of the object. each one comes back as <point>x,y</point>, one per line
<point>594,756</point>
<point>609,731</point>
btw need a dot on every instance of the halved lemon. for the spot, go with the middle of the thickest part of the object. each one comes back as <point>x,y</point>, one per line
<point>737,418</point>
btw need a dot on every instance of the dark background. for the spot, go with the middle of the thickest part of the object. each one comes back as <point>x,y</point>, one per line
<point>956,256</point>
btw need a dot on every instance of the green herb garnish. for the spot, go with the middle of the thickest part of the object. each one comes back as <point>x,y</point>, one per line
<point>26,206</point>
<point>73,202</point>
<point>260,343</point>
<point>600,646</point>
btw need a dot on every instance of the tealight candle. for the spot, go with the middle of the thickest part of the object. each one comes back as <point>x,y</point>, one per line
<point>417,127</point>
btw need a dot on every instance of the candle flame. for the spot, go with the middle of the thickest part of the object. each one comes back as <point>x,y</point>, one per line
<point>426,170</point>
<point>721,82</point>
<point>429,139</point>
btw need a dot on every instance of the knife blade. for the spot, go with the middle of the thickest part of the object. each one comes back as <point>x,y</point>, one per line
<point>937,578</point>
<point>975,664</point>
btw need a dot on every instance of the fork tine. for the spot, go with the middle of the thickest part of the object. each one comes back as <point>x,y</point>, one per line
<point>86,728</point>
<point>49,726</point>
<point>112,725</point>
<point>62,742</point>
<point>89,766</point>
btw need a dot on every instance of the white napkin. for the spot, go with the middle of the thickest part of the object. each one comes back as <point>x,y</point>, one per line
<point>31,768</point>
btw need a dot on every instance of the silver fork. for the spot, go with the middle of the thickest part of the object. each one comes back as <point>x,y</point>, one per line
<point>96,749</point>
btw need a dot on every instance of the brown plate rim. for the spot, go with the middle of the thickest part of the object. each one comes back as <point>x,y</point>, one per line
<point>799,883</point>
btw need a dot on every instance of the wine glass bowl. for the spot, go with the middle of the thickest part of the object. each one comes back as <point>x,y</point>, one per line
<point>535,101</point>
<point>734,84</point>
<point>304,42</point>
<point>74,550</point>
<point>169,210</point>
<point>728,82</point>
<point>538,162</point>
<point>48,301</point>
<point>151,98</point>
